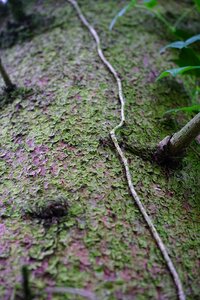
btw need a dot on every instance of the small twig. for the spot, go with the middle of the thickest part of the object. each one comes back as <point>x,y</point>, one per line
<point>75,291</point>
<point>9,86</point>
<point>12,297</point>
<point>25,281</point>
<point>152,228</point>
<point>173,147</point>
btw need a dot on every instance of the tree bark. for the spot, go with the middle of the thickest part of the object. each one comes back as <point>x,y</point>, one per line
<point>9,85</point>
<point>174,146</point>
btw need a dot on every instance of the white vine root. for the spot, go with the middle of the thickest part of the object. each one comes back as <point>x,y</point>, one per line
<point>156,236</point>
<point>73,291</point>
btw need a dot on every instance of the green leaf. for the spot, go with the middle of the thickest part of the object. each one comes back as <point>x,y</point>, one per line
<point>121,13</point>
<point>180,33</point>
<point>182,44</point>
<point>190,109</point>
<point>150,3</point>
<point>192,40</point>
<point>177,45</point>
<point>197,2</point>
<point>176,71</point>
<point>187,57</point>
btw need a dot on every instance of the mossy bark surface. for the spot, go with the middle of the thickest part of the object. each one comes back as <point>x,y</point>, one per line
<point>66,212</point>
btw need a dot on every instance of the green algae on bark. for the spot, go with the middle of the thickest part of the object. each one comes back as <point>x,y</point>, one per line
<point>50,146</point>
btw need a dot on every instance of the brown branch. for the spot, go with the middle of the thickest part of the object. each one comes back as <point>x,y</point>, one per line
<point>170,148</point>
<point>9,85</point>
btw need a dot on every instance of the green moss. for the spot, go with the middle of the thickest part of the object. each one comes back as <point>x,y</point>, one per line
<point>50,146</point>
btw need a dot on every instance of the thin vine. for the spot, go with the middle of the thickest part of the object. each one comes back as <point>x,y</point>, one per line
<point>155,234</point>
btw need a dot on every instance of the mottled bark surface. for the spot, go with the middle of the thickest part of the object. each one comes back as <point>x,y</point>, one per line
<point>65,208</point>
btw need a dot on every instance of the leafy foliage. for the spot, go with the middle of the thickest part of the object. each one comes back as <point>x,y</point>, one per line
<point>189,109</point>
<point>131,4</point>
<point>148,4</point>
<point>187,57</point>
<point>151,6</point>
<point>177,71</point>
<point>182,44</point>
<point>119,14</point>
<point>197,2</point>
<point>188,62</point>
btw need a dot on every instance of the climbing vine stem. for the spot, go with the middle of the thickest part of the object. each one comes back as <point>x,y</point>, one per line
<point>124,161</point>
